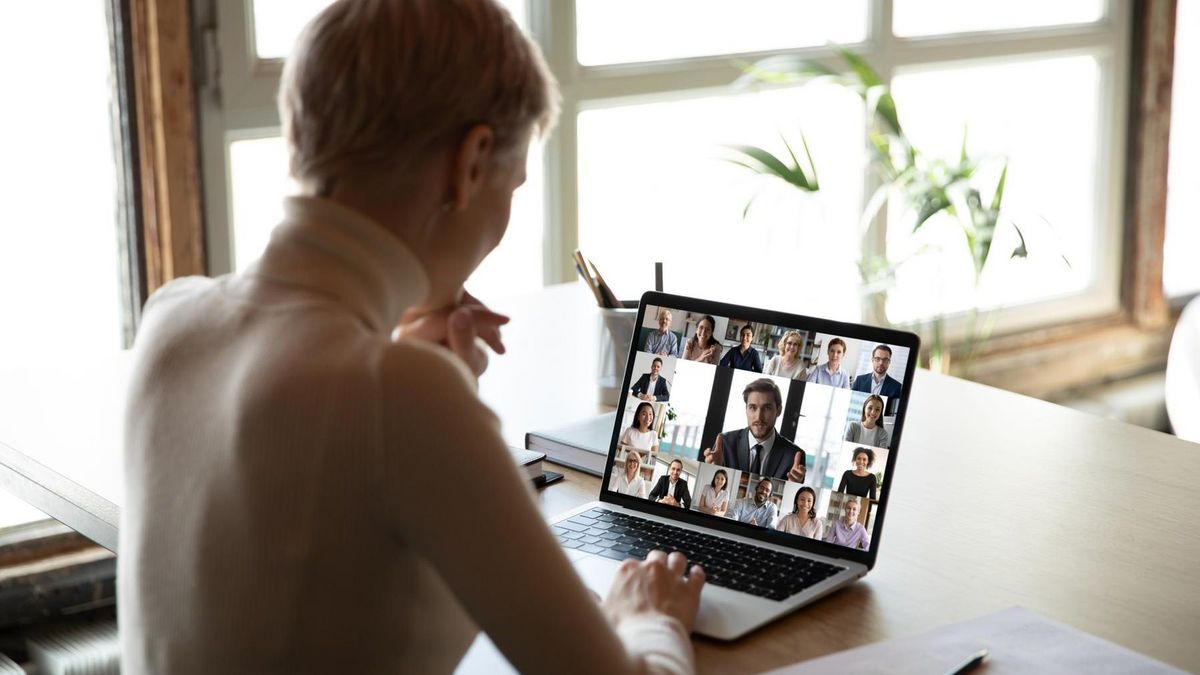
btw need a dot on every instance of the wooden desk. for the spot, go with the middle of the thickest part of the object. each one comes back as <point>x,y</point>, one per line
<point>998,499</point>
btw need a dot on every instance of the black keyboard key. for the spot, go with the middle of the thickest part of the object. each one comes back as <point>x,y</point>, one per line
<point>591,539</point>
<point>570,544</point>
<point>568,525</point>
<point>614,554</point>
<point>590,548</point>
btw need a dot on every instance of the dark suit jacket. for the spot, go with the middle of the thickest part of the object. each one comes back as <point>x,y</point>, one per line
<point>662,390</point>
<point>890,388</point>
<point>681,490</point>
<point>737,453</point>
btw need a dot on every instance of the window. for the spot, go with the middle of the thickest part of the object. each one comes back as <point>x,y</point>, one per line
<point>637,171</point>
<point>1181,276</point>
<point>65,290</point>
<point>647,119</point>
<point>668,30</point>
<point>243,209</point>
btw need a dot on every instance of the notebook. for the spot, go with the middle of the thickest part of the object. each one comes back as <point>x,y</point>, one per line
<point>763,445</point>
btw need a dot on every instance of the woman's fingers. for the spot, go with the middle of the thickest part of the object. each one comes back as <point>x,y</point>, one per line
<point>458,328</point>
<point>677,562</point>
<point>461,340</point>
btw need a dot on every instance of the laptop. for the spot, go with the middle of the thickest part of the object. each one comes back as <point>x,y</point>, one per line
<point>761,444</point>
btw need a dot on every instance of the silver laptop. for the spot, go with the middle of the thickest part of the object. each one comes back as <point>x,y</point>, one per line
<point>761,444</point>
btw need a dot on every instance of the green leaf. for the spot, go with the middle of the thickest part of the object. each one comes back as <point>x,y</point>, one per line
<point>783,70</point>
<point>1021,251</point>
<point>885,108</point>
<point>763,162</point>
<point>999,193</point>
<point>863,70</point>
<point>811,164</point>
<point>930,205</point>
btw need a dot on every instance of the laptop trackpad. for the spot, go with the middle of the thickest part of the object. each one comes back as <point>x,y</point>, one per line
<point>597,573</point>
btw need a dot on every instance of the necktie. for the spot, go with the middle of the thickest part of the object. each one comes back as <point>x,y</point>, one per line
<point>756,455</point>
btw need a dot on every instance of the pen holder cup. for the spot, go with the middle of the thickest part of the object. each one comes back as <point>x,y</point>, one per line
<point>617,328</point>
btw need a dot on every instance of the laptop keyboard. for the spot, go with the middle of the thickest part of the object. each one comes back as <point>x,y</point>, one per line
<point>751,569</point>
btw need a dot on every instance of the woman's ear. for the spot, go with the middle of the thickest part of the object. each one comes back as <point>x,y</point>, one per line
<point>472,162</point>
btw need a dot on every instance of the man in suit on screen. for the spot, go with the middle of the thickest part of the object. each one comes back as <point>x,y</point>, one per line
<point>758,449</point>
<point>651,387</point>
<point>672,489</point>
<point>878,381</point>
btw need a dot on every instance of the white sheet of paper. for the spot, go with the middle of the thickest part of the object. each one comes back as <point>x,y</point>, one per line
<point>1017,639</point>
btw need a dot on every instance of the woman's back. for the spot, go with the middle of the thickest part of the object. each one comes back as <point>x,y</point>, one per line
<point>252,536</point>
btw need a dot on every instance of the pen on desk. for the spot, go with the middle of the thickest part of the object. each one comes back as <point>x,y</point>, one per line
<point>658,285</point>
<point>972,662</point>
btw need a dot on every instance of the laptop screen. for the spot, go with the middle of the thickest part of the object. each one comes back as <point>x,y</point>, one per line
<point>776,426</point>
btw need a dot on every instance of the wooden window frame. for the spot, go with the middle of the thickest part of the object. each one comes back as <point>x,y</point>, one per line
<point>1135,340</point>
<point>170,239</point>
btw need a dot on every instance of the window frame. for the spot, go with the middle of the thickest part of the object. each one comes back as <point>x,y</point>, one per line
<point>237,101</point>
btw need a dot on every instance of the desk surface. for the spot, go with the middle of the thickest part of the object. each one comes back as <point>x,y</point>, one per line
<point>997,499</point>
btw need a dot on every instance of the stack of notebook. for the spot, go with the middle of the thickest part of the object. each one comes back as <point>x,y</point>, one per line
<point>581,445</point>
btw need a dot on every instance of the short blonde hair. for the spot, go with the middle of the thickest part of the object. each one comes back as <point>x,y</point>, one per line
<point>373,85</point>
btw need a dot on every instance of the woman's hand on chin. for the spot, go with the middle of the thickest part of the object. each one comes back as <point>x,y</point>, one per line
<point>456,328</point>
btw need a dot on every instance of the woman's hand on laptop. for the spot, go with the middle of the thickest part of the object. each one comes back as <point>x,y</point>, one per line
<point>457,328</point>
<point>656,586</point>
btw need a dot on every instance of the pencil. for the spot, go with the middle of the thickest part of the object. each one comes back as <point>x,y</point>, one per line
<point>581,267</point>
<point>605,289</point>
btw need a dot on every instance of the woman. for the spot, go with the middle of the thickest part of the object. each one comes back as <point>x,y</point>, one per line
<point>703,346</point>
<point>803,520</point>
<point>858,481</point>
<point>743,355</point>
<point>869,429</point>
<point>714,498</point>
<point>273,422</point>
<point>847,531</point>
<point>641,433</point>
<point>630,481</point>
<point>787,363</point>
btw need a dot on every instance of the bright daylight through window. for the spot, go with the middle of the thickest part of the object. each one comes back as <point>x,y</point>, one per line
<point>651,110</point>
<point>60,292</point>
